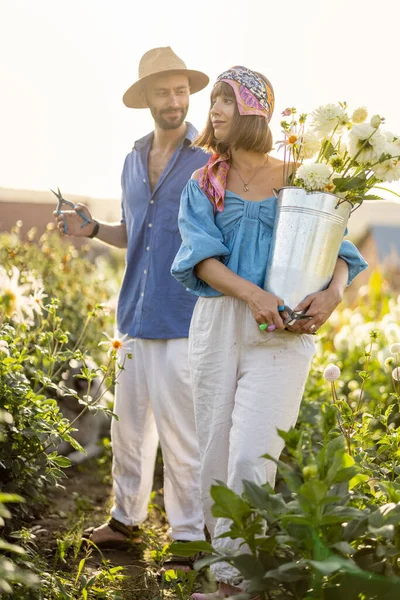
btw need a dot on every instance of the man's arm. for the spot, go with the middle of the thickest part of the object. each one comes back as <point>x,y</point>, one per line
<point>113,234</point>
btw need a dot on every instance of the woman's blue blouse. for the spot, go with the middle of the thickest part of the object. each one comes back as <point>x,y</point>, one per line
<point>239,236</point>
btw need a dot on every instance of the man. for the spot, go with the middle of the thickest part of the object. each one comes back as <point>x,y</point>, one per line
<point>153,395</point>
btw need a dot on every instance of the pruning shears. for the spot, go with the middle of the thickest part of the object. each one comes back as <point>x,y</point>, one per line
<point>293,315</point>
<point>72,205</point>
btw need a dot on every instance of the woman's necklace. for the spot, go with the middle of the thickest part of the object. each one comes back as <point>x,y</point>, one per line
<point>246,183</point>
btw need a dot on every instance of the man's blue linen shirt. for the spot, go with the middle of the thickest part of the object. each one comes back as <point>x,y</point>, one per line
<point>152,304</point>
<point>239,236</point>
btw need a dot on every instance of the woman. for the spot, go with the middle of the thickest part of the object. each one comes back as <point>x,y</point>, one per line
<point>247,383</point>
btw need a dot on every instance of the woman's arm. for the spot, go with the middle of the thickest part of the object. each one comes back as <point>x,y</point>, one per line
<point>263,305</point>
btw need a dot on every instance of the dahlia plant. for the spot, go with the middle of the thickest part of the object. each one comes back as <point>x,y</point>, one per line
<point>339,152</point>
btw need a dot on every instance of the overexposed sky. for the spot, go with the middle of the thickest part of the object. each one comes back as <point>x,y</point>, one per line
<point>64,66</point>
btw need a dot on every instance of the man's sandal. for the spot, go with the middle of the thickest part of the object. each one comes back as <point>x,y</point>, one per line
<point>132,535</point>
<point>175,562</point>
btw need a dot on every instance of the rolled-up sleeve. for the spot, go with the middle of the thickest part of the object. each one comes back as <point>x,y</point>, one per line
<point>201,238</point>
<point>355,262</point>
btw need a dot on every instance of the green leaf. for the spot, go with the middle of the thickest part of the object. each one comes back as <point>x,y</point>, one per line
<point>228,504</point>
<point>80,568</point>
<point>190,548</point>
<point>314,491</point>
<point>208,561</point>
<point>248,565</point>
<point>357,479</point>
<point>345,184</point>
<point>332,564</point>
<point>291,571</point>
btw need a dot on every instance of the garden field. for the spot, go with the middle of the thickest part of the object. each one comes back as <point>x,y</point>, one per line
<point>331,528</point>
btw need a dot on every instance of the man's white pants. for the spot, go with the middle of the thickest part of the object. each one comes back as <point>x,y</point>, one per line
<point>154,401</point>
<point>246,385</point>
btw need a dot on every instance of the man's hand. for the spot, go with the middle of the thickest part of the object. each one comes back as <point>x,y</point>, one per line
<point>319,306</point>
<point>74,222</point>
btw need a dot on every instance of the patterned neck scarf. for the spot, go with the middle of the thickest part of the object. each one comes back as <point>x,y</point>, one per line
<point>253,97</point>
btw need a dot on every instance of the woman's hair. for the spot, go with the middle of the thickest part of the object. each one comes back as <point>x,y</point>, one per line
<point>248,132</point>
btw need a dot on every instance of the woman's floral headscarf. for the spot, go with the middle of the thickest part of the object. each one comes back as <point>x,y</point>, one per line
<point>254,96</point>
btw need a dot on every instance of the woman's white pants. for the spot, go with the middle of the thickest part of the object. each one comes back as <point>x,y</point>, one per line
<point>154,402</point>
<point>246,385</point>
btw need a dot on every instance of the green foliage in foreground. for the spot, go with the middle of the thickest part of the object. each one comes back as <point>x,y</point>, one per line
<point>331,528</point>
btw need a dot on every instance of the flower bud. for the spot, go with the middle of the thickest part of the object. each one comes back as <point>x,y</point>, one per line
<point>332,372</point>
<point>310,471</point>
<point>359,115</point>
<point>376,121</point>
<point>396,374</point>
<point>395,348</point>
<point>389,362</point>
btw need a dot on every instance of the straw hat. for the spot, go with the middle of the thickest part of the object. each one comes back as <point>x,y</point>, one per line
<point>161,61</point>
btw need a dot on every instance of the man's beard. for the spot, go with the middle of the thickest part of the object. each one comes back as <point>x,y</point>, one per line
<point>161,117</point>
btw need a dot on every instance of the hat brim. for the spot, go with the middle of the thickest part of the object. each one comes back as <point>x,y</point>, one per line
<point>134,98</point>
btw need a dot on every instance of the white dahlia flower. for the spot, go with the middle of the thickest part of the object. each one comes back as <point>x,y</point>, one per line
<point>389,170</point>
<point>366,142</point>
<point>310,145</point>
<point>315,176</point>
<point>327,117</point>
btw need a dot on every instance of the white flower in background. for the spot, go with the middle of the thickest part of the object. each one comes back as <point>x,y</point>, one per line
<point>315,176</point>
<point>395,348</point>
<point>12,294</point>
<point>331,372</point>
<point>353,385</point>
<point>389,170</point>
<point>343,340</point>
<point>335,319</point>
<point>359,115</point>
<point>328,117</point>
<point>105,308</point>
<point>4,347</point>
<point>367,141</point>
<point>310,145</point>
<point>114,344</point>
<point>391,330</point>
<point>376,120</point>
<point>36,299</point>
<point>356,319</point>
<point>396,374</point>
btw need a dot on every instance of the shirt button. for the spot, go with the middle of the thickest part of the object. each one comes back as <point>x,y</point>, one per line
<point>150,224</point>
<point>145,271</point>
<point>144,181</point>
<point>142,294</point>
<point>148,248</point>
<point>151,201</point>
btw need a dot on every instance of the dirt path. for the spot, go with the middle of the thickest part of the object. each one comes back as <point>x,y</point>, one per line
<point>84,501</point>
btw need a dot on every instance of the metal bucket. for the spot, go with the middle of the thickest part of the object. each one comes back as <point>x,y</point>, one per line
<point>308,230</point>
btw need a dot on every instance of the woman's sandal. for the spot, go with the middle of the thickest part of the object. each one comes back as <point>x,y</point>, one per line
<point>132,535</point>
